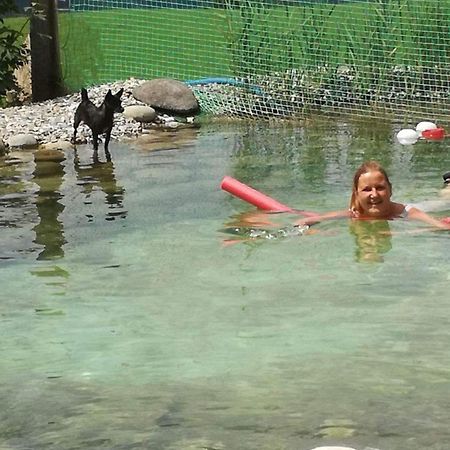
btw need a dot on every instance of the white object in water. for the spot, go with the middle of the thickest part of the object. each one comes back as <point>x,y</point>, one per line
<point>333,448</point>
<point>407,136</point>
<point>423,126</point>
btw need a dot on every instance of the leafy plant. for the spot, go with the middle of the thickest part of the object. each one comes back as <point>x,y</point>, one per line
<point>13,52</point>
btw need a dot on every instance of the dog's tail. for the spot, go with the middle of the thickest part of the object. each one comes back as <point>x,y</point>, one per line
<point>84,95</point>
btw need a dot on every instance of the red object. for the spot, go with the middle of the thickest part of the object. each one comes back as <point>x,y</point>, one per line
<point>252,196</point>
<point>434,134</point>
<point>257,198</point>
<point>446,220</point>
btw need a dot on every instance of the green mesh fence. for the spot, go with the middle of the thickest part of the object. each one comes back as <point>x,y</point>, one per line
<point>376,58</point>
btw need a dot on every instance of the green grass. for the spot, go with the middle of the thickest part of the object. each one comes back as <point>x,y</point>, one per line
<point>116,44</point>
<point>18,24</point>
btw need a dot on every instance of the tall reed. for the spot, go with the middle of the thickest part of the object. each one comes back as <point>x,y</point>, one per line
<point>371,52</point>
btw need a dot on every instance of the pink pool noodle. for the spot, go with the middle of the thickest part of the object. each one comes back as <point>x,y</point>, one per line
<point>257,198</point>
<point>252,196</point>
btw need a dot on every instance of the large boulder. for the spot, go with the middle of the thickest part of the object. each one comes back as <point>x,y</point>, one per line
<point>167,95</point>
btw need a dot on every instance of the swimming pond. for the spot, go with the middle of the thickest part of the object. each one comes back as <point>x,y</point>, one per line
<point>128,322</point>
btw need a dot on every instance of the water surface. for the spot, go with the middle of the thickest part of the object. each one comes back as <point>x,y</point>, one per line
<point>126,322</point>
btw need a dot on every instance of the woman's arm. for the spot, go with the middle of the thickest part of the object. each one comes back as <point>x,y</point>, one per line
<point>417,214</point>
<point>311,220</point>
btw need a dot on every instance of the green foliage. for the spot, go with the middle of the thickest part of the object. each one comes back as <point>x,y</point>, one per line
<point>342,55</point>
<point>13,53</point>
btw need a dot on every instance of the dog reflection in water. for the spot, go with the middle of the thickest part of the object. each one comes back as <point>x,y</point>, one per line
<point>373,239</point>
<point>94,175</point>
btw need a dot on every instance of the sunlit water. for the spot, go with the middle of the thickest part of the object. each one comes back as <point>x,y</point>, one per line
<point>129,322</point>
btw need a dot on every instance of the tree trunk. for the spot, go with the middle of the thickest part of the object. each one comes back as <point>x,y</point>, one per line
<point>46,78</point>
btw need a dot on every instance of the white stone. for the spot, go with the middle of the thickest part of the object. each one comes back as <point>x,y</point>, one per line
<point>22,141</point>
<point>140,113</point>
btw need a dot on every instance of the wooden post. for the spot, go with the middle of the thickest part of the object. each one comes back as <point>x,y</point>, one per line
<point>46,78</point>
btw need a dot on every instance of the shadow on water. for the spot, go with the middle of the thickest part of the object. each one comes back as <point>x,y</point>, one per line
<point>166,140</point>
<point>37,191</point>
<point>33,191</point>
<point>96,174</point>
<point>48,175</point>
<point>18,211</point>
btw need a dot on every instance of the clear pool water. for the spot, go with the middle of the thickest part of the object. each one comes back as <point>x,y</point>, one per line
<point>128,323</point>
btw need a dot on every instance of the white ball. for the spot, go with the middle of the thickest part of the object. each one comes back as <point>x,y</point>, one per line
<point>333,448</point>
<point>422,126</point>
<point>407,136</point>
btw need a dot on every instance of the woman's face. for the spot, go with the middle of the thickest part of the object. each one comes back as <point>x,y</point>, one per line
<point>373,195</point>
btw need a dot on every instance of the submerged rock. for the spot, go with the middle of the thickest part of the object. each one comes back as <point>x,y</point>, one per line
<point>336,432</point>
<point>337,428</point>
<point>58,145</point>
<point>49,154</point>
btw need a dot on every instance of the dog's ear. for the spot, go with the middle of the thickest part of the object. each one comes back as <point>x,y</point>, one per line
<point>118,94</point>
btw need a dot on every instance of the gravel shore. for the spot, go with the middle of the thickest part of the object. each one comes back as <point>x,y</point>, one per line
<point>52,120</point>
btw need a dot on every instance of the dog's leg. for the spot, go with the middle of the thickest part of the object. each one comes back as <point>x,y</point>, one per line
<point>95,138</point>
<point>95,156</point>
<point>107,156</point>
<point>107,138</point>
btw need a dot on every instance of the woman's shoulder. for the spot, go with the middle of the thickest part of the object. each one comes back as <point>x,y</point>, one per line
<point>412,212</point>
<point>401,210</point>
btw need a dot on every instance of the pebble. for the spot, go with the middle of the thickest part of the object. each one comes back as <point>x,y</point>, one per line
<point>51,121</point>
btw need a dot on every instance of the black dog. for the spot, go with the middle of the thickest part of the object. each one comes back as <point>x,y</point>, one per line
<point>99,119</point>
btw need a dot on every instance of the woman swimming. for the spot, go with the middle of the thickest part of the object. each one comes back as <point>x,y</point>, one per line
<point>371,200</point>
